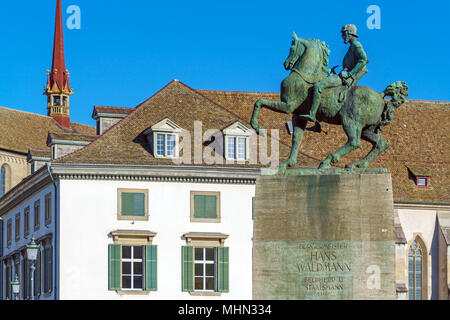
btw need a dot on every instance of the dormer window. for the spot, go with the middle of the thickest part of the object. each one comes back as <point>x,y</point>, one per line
<point>237,148</point>
<point>165,144</point>
<point>163,138</point>
<point>237,142</point>
<point>420,174</point>
<point>422,182</point>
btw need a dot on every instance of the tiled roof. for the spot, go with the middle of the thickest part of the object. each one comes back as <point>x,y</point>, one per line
<point>23,130</point>
<point>125,143</point>
<point>419,139</point>
<point>417,136</point>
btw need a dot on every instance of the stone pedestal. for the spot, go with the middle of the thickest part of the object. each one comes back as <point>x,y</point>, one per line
<point>328,235</point>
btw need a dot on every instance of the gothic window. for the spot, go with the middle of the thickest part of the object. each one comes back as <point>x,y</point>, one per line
<point>416,270</point>
<point>2,181</point>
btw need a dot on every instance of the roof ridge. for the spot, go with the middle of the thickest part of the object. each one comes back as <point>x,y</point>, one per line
<point>235,92</point>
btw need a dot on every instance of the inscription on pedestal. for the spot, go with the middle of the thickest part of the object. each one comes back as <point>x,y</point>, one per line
<point>324,237</point>
<point>325,269</point>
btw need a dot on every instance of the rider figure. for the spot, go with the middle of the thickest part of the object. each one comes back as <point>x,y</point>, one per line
<point>354,67</point>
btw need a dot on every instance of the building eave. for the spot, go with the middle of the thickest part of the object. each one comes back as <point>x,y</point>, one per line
<point>155,173</point>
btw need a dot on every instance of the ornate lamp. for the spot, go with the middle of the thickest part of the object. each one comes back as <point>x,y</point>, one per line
<point>16,287</point>
<point>32,251</point>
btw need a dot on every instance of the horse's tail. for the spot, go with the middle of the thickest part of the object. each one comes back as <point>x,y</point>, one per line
<point>398,91</point>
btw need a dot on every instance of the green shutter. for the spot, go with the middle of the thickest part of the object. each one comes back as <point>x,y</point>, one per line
<point>223,269</point>
<point>151,268</point>
<point>133,204</point>
<point>205,206</point>
<point>114,267</point>
<point>210,207</point>
<point>187,257</point>
<point>127,204</point>
<point>139,204</point>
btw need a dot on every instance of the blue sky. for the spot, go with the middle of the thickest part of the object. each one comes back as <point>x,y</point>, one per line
<point>125,51</point>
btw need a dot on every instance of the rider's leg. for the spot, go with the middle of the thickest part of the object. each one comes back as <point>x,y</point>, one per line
<point>329,82</point>
<point>317,92</point>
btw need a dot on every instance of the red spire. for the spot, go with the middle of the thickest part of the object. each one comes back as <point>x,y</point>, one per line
<point>59,74</point>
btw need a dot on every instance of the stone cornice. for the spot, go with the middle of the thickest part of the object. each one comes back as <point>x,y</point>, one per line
<point>219,175</point>
<point>421,205</point>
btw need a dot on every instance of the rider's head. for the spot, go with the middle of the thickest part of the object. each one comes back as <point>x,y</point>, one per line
<point>349,32</point>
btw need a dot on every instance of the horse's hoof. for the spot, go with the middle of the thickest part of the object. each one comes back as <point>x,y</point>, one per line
<point>282,169</point>
<point>324,165</point>
<point>261,131</point>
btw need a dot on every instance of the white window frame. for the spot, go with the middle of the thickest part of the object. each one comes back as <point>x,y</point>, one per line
<point>165,134</point>
<point>204,263</point>
<point>133,260</point>
<point>236,132</point>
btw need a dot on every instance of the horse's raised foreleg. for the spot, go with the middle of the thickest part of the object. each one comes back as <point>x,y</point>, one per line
<point>297,137</point>
<point>277,106</point>
<point>353,131</point>
<point>379,145</point>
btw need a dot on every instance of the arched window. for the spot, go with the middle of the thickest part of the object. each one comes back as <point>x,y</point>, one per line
<point>417,270</point>
<point>2,181</point>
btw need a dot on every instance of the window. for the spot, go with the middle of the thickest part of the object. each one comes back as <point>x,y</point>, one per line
<point>65,101</point>
<point>163,137</point>
<point>132,204</point>
<point>205,269</point>
<point>205,206</point>
<point>37,214</point>
<point>17,226</point>
<point>26,220</point>
<point>417,270</point>
<point>8,279</point>
<point>205,264</point>
<point>2,181</point>
<point>132,268</point>
<point>48,207</point>
<point>37,275</point>
<point>56,100</point>
<point>237,148</point>
<point>132,262</point>
<point>9,231</point>
<point>422,182</point>
<point>165,145</point>
<point>25,283</point>
<point>237,138</point>
<point>48,267</point>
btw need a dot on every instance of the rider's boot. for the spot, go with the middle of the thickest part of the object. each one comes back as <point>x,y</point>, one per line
<point>315,106</point>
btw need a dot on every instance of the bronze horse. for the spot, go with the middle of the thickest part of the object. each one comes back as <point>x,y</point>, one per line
<point>361,111</point>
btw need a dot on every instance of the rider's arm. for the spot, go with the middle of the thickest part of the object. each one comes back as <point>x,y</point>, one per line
<point>361,57</point>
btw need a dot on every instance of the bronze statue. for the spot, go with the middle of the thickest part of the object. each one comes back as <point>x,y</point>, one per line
<point>335,99</point>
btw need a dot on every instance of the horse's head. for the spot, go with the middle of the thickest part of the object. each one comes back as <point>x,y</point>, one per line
<point>296,52</point>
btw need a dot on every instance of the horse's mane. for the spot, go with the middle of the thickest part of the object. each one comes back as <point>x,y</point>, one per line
<point>324,52</point>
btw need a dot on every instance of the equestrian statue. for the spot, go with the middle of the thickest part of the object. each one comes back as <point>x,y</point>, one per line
<point>312,92</point>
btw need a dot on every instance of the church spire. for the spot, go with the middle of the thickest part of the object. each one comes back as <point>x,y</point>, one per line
<point>58,89</point>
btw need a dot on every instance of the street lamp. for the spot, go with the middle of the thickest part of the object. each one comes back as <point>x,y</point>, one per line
<point>16,287</point>
<point>32,251</point>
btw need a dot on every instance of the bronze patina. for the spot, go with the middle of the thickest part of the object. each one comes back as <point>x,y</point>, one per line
<point>312,92</point>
